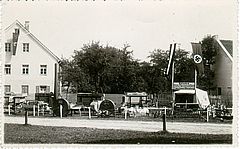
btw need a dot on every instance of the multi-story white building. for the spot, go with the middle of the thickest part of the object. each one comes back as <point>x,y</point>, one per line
<point>29,66</point>
<point>223,71</point>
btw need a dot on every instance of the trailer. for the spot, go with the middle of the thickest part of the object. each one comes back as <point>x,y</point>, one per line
<point>95,102</point>
<point>132,99</point>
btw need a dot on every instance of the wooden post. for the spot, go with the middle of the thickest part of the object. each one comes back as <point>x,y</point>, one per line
<point>38,109</point>
<point>199,114</point>
<point>60,110</point>
<point>207,115</point>
<point>26,116</point>
<point>43,110</point>
<point>214,112</point>
<point>164,119</point>
<point>125,111</point>
<point>15,107</point>
<point>9,110</point>
<point>34,110</point>
<point>186,105</point>
<point>89,112</point>
<point>130,102</point>
<point>80,113</point>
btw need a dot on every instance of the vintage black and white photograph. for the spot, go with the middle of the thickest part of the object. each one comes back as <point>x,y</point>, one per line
<point>100,72</point>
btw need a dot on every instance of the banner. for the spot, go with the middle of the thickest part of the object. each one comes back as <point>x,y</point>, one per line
<point>183,85</point>
<point>197,57</point>
<point>171,57</point>
<point>15,40</point>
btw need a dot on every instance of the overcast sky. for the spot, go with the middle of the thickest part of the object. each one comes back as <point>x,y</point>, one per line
<point>65,26</point>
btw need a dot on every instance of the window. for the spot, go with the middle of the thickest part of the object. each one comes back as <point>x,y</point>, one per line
<point>25,69</point>
<point>219,91</point>
<point>42,89</point>
<point>25,47</point>
<point>7,69</point>
<point>24,89</point>
<point>43,69</point>
<point>7,47</point>
<point>7,88</point>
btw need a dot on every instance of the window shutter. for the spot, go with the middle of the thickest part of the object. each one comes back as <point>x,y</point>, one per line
<point>48,89</point>
<point>37,89</point>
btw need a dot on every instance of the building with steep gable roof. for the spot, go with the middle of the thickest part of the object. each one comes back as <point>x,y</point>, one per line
<point>29,66</point>
<point>223,69</point>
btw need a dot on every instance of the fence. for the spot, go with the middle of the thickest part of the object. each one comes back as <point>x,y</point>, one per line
<point>221,100</point>
<point>163,99</point>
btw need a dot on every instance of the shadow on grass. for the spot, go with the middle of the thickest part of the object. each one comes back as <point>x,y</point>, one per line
<point>31,134</point>
<point>165,137</point>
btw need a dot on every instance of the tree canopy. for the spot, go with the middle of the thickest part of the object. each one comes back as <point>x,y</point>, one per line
<point>209,51</point>
<point>106,69</point>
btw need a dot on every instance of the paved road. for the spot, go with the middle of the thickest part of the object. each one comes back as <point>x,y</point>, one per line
<point>181,127</point>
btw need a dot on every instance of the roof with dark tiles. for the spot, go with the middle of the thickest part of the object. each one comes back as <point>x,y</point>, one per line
<point>228,44</point>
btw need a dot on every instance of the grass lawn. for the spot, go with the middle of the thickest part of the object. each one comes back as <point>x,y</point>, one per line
<point>17,133</point>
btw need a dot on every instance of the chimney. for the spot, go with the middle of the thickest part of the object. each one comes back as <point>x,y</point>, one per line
<point>27,25</point>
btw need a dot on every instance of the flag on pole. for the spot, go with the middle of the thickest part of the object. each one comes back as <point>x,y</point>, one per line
<point>15,40</point>
<point>171,57</point>
<point>197,57</point>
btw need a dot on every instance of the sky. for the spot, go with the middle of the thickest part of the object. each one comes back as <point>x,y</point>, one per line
<point>145,25</point>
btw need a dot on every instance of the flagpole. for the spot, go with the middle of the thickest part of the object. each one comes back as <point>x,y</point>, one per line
<point>195,84</point>
<point>172,75</point>
<point>195,80</point>
<point>173,97</point>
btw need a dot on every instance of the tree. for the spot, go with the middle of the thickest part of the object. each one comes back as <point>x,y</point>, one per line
<point>73,77</point>
<point>122,74</point>
<point>184,67</point>
<point>209,52</point>
<point>183,64</point>
<point>110,69</point>
<point>66,74</point>
<point>157,81</point>
<point>93,59</point>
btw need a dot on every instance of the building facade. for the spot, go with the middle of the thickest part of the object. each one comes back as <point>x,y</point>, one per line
<point>223,72</point>
<point>29,66</point>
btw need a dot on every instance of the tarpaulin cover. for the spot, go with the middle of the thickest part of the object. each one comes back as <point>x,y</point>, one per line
<point>202,98</point>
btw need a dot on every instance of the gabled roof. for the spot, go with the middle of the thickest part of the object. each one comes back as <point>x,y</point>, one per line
<point>226,46</point>
<point>34,38</point>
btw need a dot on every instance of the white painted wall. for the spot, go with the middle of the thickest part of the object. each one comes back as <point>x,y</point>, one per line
<point>34,58</point>
<point>223,75</point>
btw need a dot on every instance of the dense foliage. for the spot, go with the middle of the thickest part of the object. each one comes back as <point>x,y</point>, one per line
<point>98,68</point>
<point>209,51</point>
